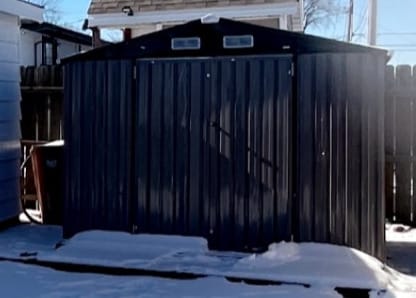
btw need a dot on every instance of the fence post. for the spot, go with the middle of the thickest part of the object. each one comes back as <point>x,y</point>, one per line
<point>413,98</point>
<point>389,142</point>
<point>403,132</point>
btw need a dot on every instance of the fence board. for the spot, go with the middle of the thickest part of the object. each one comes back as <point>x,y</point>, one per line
<point>400,144</point>
<point>411,91</point>
<point>389,114</point>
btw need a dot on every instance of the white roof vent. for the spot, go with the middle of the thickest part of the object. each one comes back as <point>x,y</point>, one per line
<point>238,41</point>
<point>210,19</point>
<point>186,43</point>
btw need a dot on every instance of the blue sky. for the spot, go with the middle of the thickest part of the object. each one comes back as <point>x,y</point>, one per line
<point>396,27</point>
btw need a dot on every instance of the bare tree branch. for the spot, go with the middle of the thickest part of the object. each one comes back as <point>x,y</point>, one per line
<point>321,12</point>
<point>51,12</point>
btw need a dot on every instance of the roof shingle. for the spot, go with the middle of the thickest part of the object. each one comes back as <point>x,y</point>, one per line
<point>115,6</point>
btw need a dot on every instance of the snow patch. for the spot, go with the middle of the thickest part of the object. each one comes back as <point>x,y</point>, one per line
<point>35,214</point>
<point>168,241</point>
<point>277,255</point>
<point>123,249</point>
<point>327,265</point>
<point>400,233</point>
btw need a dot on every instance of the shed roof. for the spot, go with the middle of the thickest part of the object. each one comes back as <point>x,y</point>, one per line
<point>265,41</point>
<point>112,6</point>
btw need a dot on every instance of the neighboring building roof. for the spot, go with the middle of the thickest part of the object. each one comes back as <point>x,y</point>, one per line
<point>110,14</point>
<point>58,32</point>
<point>22,9</point>
<point>114,6</point>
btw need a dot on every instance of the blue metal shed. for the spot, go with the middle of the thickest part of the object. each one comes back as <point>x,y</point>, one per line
<point>241,134</point>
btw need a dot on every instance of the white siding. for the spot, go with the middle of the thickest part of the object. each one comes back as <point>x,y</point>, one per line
<point>66,49</point>
<point>9,52</point>
<point>28,40</point>
<point>9,117</point>
<point>144,29</point>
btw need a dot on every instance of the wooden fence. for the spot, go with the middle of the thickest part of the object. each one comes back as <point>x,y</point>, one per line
<point>42,98</point>
<point>41,106</point>
<point>400,144</point>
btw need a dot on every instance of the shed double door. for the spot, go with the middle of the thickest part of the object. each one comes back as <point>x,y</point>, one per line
<point>213,149</point>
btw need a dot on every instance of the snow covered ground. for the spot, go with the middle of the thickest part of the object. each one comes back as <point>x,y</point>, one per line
<point>319,266</point>
<point>27,239</point>
<point>19,280</point>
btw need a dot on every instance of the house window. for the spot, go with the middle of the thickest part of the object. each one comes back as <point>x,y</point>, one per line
<point>48,54</point>
<point>49,51</point>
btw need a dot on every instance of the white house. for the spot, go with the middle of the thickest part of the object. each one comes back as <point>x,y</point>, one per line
<point>140,17</point>
<point>11,14</point>
<point>46,44</point>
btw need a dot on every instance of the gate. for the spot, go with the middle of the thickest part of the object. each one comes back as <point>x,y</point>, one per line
<point>213,149</point>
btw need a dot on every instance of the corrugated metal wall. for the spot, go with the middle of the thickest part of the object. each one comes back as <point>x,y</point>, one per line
<point>9,118</point>
<point>98,134</point>
<point>204,147</point>
<point>341,150</point>
<point>213,149</point>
